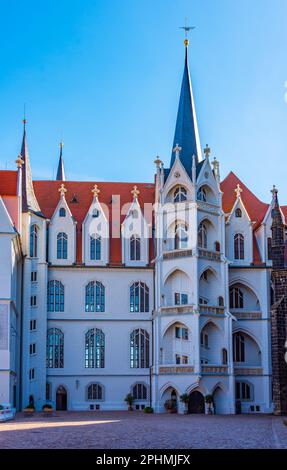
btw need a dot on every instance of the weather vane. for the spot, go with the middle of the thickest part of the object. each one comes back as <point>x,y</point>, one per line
<point>187,30</point>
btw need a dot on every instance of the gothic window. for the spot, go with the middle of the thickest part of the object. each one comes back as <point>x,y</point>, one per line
<point>224,356</point>
<point>269,248</point>
<point>217,246</point>
<point>220,301</point>
<point>55,348</point>
<point>238,246</point>
<point>139,392</point>
<point>94,349</point>
<point>201,194</point>
<point>55,296</point>
<point>62,245</point>
<point>34,241</point>
<point>139,349</point>
<point>236,298</point>
<point>181,237</point>
<point>204,340</point>
<point>238,212</point>
<point>180,194</point>
<point>181,333</point>
<point>95,392</point>
<point>135,248</point>
<point>244,391</point>
<point>62,212</point>
<point>95,297</point>
<point>95,247</point>
<point>202,235</point>
<point>139,297</point>
<point>239,347</point>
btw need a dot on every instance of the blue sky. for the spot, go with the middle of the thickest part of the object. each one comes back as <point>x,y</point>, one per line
<point>106,76</point>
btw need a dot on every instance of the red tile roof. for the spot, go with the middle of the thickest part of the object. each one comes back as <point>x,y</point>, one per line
<point>8,183</point>
<point>48,197</point>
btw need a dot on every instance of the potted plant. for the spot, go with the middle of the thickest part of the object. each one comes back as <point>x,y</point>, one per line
<point>148,409</point>
<point>129,399</point>
<point>209,402</point>
<point>185,399</point>
<point>29,410</point>
<point>47,409</point>
<point>171,405</point>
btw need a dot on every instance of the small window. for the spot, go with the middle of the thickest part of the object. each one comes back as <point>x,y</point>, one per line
<point>135,248</point>
<point>181,333</point>
<point>33,325</point>
<point>62,212</point>
<point>31,374</point>
<point>95,213</point>
<point>204,339</point>
<point>180,299</point>
<point>33,301</point>
<point>217,246</point>
<point>238,212</point>
<point>236,298</point>
<point>33,276</point>
<point>224,356</point>
<point>201,194</point>
<point>238,246</point>
<point>95,392</point>
<point>32,349</point>
<point>269,248</point>
<point>220,301</point>
<point>48,391</point>
<point>243,391</point>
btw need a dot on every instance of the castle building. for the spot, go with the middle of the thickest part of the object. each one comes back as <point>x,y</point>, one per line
<point>157,289</point>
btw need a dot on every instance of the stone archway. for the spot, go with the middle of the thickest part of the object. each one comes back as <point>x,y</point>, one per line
<point>196,403</point>
<point>61,399</point>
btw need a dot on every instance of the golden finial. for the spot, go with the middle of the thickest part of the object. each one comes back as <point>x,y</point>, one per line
<point>96,191</point>
<point>157,161</point>
<point>135,192</point>
<point>19,161</point>
<point>186,42</point>
<point>61,144</point>
<point>238,190</point>
<point>62,190</point>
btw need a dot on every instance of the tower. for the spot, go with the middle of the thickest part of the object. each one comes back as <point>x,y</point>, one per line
<point>278,310</point>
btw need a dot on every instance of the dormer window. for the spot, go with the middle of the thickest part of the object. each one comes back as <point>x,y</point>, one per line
<point>135,248</point>
<point>238,246</point>
<point>95,248</point>
<point>62,246</point>
<point>238,212</point>
<point>62,212</point>
<point>180,194</point>
<point>34,241</point>
<point>95,213</point>
<point>201,194</point>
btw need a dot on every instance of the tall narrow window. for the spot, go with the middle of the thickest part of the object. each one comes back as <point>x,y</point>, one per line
<point>269,248</point>
<point>239,347</point>
<point>180,194</point>
<point>55,348</point>
<point>224,356</point>
<point>95,247</point>
<point>236,298</point>
<point>55,296</point>
<point>238,246</point>
<point>201,194</point>
<point>135,248</point>
<point>139,349</point>
<point>34,241</point>
<point>139,392</point>
<point>95,297</point>
<point>62,245</point>
<point>139,297</point>
<point>238,212</point>
<point>95,349</point>
<point>62,212</point>
<point>202,235</point>
<point>181,237</point>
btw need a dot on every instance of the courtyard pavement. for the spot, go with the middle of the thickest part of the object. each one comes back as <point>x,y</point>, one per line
<point>136,430</point>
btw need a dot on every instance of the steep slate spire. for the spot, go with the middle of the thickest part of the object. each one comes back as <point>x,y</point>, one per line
<point>61,170</point>
<point>277,228</point>
<point>186,131</point>
<point>29,201</point>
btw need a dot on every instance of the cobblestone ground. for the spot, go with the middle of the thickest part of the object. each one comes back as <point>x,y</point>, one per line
<point>116,430</point>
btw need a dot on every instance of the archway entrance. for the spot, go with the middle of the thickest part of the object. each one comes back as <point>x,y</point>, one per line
<point>61,399</point>
<point>196,403</point>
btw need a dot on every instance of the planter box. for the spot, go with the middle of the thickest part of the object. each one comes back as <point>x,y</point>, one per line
<point>48,411</point>
<point>29,412</point>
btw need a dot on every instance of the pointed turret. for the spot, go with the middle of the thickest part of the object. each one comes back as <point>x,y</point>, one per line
<point>29,201</point>
<point>277,228</point>
<point>186,130</point>
<point>61,170</point>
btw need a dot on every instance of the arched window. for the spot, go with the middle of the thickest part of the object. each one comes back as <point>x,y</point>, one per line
<point>62,212</point>
<point>95,297</point>
<point>224,356</point>
<point>55,296</point>
<point>217,246</point>
<point>201,194</point>
<point>180,194</point>
<point>236,299</point>
<point>62,245</point>
<point>139,392</point>
<point>220,301</point>
<point>238,246</point>
<point>135,248</point>
<point>139,297</point>
<point>181,237</point>
<point>202,235</point>
<point>55,348</point>
<point>95,349</point>
<point>244,391</point>
<point>238,212</point>
<point>238,347</point>
<point>139,349</point>
<point>33,241</point>
<point>95,392</point>
<point>95,247</point>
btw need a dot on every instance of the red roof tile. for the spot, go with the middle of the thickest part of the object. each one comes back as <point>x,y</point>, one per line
<point>8,183</point>
<point>48,197</point>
